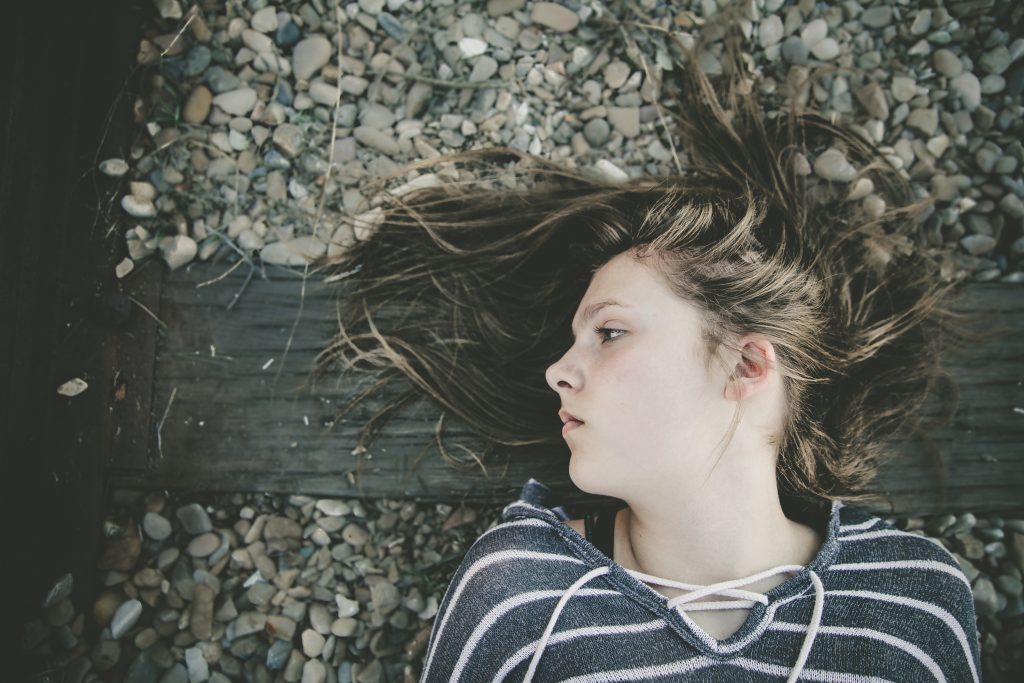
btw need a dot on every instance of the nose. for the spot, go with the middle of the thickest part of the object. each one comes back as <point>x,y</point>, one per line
<point>562,374</point>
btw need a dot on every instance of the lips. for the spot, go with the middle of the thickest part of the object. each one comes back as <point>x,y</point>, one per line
<point>569,421</point>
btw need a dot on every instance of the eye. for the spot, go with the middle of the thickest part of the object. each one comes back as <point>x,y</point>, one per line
<point>603,331</point>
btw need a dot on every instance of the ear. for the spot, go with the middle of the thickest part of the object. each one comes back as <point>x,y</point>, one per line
<point>752,371</point>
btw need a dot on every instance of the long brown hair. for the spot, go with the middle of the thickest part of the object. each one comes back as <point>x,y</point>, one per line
<point>488,261</point>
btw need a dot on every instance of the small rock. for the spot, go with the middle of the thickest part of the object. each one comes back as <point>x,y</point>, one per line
<point>333,508</point>
<point>309,56</point>
<point>237,102</point>
<point>832,165</point>
<point>60,590</point>
<point>137,207</point>
<point>877,17</point>
<point>609,172</point>
<point>197,106</point>
<point>770,31</point>
<point>60,613</point>
<point>472,47</point>
<point>794,50</point>
<point>115,168</point>
<point>985,598</point>
<point>312,643</point>
<point>106,654</point>
<point>346,606</point>
<point>814,32</point>
<point>977,245</point>
<point>947,63</point>
<point>179,251</point>
<point>626,120</point>
<point>615,74</point>
<point>194,519</point>
<point>924,120</point>
<point>996,60</point>
<point>554,16</point>
<point>288,139</point>
<point>903,89</point>
<point>280,627</point>
<point>294,252</point>
<point>355,535</point>
<point>826,50</point>
<point>596,131</point>
<point>314,671</point>
<point>376,139</point>
<point>198,669</point>
<point>344,627</point>
<point>356,85</point>
<point>73,387</point>
<point>968,87</point>
<point>324,93</point>
<point>247,623</point>
<point>264,20</point>
<point>125,618</point>
<point>203,545</point>
<point>483,69</point>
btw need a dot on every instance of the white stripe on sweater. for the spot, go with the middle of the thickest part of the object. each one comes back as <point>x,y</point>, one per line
<point>576,634</point>
<point>505,606</point>
<point>924,565</point>
<point>686,666</point>
<point>860,525</point>
<point>484,563</point>
<point>935,611</point>
<point>886,638</point>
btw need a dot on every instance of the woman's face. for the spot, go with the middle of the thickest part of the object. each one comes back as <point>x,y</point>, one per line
<point>651,414</point>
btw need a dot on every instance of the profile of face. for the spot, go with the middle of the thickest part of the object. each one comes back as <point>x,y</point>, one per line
<point>652,415</point>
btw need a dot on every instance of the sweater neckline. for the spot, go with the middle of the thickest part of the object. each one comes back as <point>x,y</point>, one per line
<point>536,501</point>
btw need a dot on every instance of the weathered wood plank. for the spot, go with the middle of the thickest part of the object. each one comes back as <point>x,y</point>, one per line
<point>239,420</point>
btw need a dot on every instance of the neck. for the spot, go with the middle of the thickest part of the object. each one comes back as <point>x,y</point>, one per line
<point>716,533</point>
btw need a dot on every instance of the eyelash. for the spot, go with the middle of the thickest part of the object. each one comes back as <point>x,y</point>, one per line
<point>602,330</point>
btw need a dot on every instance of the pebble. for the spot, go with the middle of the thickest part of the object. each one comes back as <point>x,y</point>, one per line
<point>197,106</point>
<point>312,643</point>
<point>554,16</point>
<point>794,50</point>
<point>967,86</point>
<point>832,165</point>
<point>346,606</point>
<point>178,251</point>
<point>814,32</point>
<point>289,140</point>
<point>376,139</point>
<point>313,671</point>
<point>596,131</point>
<point>947,63</point>
<point>924,120</point>
<point>115,168</point>
<point>265,19</point>
<point>903,89</point>
<point>137,207</point>
<point>333,507</point>
<point>472,47</point>
<point>876,17</point>
<point>825,50</point>
<point>770,31</point>
<point>294,252</point>
<point>309,56</point>
<point>615,74</point>
<point>203,545</point>
<point>626,120</point>
<point>483,69</point>
<point>198,668</point>
<point>237,102</point>
<point>126,616</point>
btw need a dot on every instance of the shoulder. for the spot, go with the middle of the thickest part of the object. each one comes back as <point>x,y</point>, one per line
<point>907,585</point>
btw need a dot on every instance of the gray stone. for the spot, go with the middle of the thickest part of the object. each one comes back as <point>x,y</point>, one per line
<point>156,526</point>
<point>1012,206</point>
<point>596,131</point>
<point>985,598</point>
<point>237,102</point>
<point>314,671</point>
<point>277,655</point>
<point>138,207</point>
<point>814,32</point>
<point>996,60</point>
<point>278,526</point>
<point>194,518</point>
<point>309,56</point>
<point>977,245</point>
<point>198,669</point>
<point>626,120</point>
<point>125,618</point>
<point>794,50</point>
<point>832,165</point>
<point>176,674</point>
<point>247,623</point>
<point>924,120</point>
<point>115,168</point>
<point>60,590</point>
<point>203,545</point>
<point>826,50</point>
<point>770,31</point>
<point>877,17</point>
<point>354,85</point>
<point>903,89</point>
<point>483,69</point>
<point>312,643</point>
<point>968,87</point>
<point>947,63</point>
<point>376,139</point>
<point>289,140</point>
<point>264,20</point>
<point>554,16</point>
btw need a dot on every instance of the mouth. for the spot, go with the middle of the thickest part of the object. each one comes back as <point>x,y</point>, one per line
<point>569,421</point>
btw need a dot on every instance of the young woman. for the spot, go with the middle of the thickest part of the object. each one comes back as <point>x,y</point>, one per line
<point>725,351</point>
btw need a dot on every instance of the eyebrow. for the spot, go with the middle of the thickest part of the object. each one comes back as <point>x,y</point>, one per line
<point>593,309</point>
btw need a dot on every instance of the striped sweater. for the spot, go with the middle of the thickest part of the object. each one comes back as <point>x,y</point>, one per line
<point>534,600</point>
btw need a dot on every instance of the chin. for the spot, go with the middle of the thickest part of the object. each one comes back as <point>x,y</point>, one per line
<point>584,477</point>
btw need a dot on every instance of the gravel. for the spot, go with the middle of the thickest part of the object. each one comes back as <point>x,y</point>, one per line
<point>346,590</point>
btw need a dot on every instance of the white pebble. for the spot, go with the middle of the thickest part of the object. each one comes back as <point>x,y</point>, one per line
<point>137,207</point>
<point>115,168</point>
<point>125,617</point>
<point>73,387</point>
<point>472,47</point>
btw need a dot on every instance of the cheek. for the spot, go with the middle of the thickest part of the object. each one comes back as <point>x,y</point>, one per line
<point>647,394</point>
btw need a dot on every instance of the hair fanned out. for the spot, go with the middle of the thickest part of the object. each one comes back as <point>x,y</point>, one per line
<point>483,269</point>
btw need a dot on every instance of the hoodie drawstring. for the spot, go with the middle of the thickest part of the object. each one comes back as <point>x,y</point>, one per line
<point>685,603</point>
